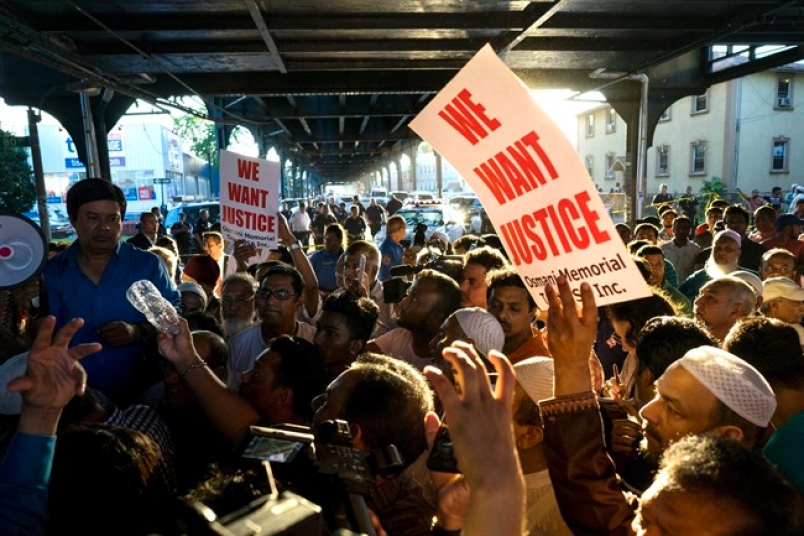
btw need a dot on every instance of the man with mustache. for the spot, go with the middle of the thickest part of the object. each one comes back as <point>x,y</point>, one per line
<point>513,306</point>
<point>708,391</point>
<point>278,301</point>
<point>90,279</point>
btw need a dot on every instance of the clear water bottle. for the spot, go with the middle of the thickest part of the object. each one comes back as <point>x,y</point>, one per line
<point>145,297</point>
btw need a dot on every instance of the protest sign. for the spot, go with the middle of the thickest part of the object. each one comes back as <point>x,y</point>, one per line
<point>533,185</point>
<point>249,199</point>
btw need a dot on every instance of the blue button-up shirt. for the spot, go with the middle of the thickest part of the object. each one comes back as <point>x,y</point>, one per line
<point>120,373</point>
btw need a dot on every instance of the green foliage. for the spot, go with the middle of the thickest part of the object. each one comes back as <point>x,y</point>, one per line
<point>17,188</point>
<point>200,133</point>
<point>714,188</point>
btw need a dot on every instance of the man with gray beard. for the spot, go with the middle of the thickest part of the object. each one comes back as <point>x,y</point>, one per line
<point>237,303</point>
<point>726,249</point>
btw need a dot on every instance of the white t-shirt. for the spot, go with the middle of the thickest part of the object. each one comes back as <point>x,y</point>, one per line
<point>248,344</point>
<point>398,343</point>
<point>300,222</point>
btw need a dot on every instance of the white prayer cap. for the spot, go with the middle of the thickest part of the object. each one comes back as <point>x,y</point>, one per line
<point>535,375</point>
<point>728,233</point>
<point>751,279</point>
<point>733,381</point>
<point>481,326</point>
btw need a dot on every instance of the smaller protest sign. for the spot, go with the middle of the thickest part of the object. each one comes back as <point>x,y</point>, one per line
<point>249,199</point>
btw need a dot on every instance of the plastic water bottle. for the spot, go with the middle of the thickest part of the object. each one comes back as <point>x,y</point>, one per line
<point>145,297</point>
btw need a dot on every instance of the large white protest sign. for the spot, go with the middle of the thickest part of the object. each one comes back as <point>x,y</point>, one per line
<point>532,183</point>
<point>249,199</point>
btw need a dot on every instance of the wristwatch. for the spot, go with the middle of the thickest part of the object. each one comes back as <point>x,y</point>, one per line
<point>295,245</point>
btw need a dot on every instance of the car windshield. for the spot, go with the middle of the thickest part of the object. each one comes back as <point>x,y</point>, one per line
<point>430,217</point>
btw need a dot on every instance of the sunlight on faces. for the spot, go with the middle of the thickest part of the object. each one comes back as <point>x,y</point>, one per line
<point>656,264</point>
<point>473,286</point>
<point>714,306</point>
<point>511,307</point>
<point>682,406</point>
<point>664,512</point>
<point>725,252</point>
<point>778,266</point>
<point>98,225</point>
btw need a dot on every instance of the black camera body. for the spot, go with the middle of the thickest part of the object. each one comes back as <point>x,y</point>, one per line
<point>395,289</point>
<point>323,466</point>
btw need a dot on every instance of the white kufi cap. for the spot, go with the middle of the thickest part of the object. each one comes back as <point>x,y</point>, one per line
<point>535,375</point>
<point>481,326</point>
<point>733,381</point>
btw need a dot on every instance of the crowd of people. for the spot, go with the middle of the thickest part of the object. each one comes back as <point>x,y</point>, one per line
<point>679,413</point>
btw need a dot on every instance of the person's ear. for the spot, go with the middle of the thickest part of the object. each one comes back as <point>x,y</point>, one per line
<point>355,347</point>
<point>531,437</point>
<point>730,431</point>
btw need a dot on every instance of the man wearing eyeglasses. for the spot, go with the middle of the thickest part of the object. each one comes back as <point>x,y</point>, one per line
<point>278,300</point>
<point>237,303</point>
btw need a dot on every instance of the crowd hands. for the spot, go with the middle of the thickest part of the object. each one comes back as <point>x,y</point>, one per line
<point>573,420</point>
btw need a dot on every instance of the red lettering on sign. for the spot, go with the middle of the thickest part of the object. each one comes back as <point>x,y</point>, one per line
<point>245,219</point>
<point>247,169</point>
<point>517,169</point>
<point>468,117</point>
<point>530,237</point>
<point>256,197</point>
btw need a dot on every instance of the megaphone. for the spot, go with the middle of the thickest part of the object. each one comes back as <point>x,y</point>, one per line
<point>23,250</point>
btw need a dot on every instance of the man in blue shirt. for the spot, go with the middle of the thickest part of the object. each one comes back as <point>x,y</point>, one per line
<point>90,280</point>
<point>325,261</point>
<point>390,250</point>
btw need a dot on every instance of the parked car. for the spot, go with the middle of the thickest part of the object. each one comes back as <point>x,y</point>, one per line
<point>437,217</point>
<point>60,226</point>
<point>192,210</point>
<point>419,196</point>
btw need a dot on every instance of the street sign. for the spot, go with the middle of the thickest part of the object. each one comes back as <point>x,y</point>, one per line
<point>165,180</point>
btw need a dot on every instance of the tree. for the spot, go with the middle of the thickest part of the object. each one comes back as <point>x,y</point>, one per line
<point>201,135</point>
<point>17,188</point>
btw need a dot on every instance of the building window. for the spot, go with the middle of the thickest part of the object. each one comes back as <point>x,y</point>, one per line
<point>665,115</point>
<point>784,93</point>
<point>589,161</point>
<point>700,103</point>
<point>779,153</point>
<point>590,125</point>
<point>698,158</point>
<point>662,161</point>
<point>609,166</point>
<point>611,121</point>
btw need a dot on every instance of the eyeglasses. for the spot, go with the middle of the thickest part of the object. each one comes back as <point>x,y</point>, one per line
<point>237,301</point>
<point>281,294</point>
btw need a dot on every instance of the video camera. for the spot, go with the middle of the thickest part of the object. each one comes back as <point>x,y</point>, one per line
<point>323,479</point>
<point>395,289</point>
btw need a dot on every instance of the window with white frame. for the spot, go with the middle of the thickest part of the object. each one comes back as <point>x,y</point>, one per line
<point>590,125</point>
<point>609,166</point>
<point>784,93</point>
<point>611,120</point>
<point>700,103</point>
<point>779,152</point>
<point>665,115</point>
<point>589,162</point>
<point>662,161</point>
<point>698,158</point>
